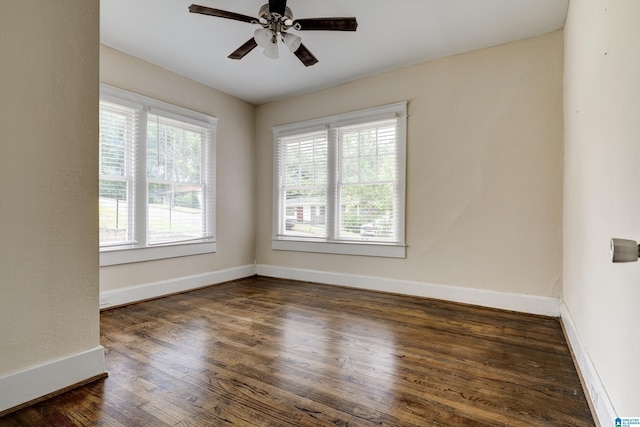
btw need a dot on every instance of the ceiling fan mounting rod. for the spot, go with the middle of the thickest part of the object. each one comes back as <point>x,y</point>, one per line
<point>276,22</point>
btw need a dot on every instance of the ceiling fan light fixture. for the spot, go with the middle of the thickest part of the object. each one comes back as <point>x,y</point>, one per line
<point>271,51</point>
<point>291,41</point>
<point>263,37</point>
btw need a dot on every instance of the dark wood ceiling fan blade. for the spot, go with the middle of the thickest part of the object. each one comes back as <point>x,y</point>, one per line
<point>305,56</point>
<point>326,24</point>
<point>240,52</point>
<point>277,6</point>
<point>194,8</point>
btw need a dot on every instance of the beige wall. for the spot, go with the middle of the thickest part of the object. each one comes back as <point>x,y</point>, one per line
<point>48,209</point>
<point>602,197</point>
<point>235,164</point>
<point>484,172</point>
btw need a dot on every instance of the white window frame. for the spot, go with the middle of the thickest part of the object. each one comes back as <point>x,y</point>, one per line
<point>139,250</point>
<point>330,245</point>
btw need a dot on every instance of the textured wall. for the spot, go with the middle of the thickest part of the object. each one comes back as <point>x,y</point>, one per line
<point>48,167</point>
<point>235,165</point>
<point>602,200</point>
<point>484,171</point>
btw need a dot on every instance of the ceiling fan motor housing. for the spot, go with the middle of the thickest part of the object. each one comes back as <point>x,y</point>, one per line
<point>268,16</point>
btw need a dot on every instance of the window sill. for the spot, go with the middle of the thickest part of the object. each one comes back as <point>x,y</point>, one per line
<point>386,250</point>
<point>110,256</point>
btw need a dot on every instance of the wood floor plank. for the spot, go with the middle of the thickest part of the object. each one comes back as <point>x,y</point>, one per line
<point>268,352</point>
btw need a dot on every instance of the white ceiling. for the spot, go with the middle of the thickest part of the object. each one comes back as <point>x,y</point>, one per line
<point>390,35</point>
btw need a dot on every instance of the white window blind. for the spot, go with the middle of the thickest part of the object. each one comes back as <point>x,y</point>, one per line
<point>303,185</point>
<point>118,126</point>
<point>340,181</point>
<point>176,181</point>
<point>157,179</point>
<point>368,175</point>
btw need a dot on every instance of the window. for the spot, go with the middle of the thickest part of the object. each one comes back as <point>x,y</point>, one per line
<point>339,184</point>
<point>156,185</point>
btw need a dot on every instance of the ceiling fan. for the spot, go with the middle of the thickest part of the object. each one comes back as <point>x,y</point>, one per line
<point>276,19</point>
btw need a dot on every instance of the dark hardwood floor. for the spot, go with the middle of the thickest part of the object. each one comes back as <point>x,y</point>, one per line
<point>270,352</point>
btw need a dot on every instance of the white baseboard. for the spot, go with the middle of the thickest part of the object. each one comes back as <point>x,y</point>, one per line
<point>30,384</point>
<point>131,294</point>
<point>547,306</point>
<point>595,390</point>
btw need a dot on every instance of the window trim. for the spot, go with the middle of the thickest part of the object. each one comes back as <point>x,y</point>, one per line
<point>129,252</point>
<point>116,256</point>
<point>329,123</point>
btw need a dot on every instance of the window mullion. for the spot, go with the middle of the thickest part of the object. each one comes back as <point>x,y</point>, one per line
<point>332,185</point>
<point>140,180</point>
